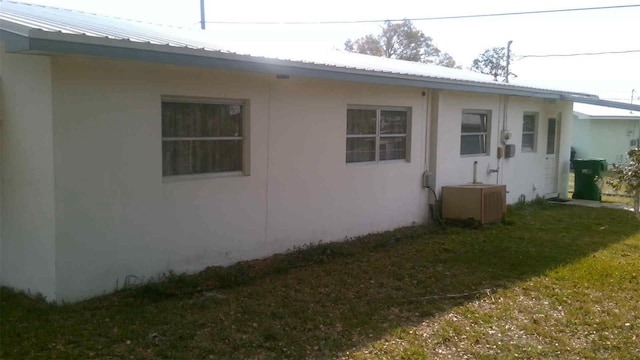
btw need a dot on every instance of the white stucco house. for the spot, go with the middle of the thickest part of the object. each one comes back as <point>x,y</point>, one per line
<point>604,132</point>
<point>131,149</point>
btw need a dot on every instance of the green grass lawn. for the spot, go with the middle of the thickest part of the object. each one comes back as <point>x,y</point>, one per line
<point>554,281</point>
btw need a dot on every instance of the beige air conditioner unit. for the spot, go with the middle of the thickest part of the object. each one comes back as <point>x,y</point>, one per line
<point>481,202</point>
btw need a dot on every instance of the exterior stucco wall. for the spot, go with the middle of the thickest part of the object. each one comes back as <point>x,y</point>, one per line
<point>564,111</point>
<point>27,201</point>
<point>581,138</point>
<point>312,191</point>
<point>117,221</point>
<point>524,174</point>
<point>608,139</point>
<point>116,217</point>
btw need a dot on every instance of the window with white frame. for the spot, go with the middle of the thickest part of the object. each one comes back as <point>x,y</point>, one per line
<point>474,135</point>
<point>529,122</point>
<point>202,136</point>
<point>377,134</point>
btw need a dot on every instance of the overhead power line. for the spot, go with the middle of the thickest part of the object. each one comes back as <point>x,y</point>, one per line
<point>422,18</point>
<point>520,57</point>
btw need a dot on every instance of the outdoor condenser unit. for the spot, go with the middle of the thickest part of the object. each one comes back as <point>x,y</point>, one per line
<point>482,202</point>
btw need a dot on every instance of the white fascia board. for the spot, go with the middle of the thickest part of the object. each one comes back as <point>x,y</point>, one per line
<point>600,102</point>
<point>80,44</point>
<point>617,117</point>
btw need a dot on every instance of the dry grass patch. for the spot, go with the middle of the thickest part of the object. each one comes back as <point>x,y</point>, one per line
<point>553,281</point>
<point>585,309</point>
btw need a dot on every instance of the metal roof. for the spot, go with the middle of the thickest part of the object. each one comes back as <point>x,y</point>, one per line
<point>593,112</point>
<point>41,29</point>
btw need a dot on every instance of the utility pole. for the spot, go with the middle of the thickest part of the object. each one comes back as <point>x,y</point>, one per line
<point>202,21</point>
<point>506,76</point>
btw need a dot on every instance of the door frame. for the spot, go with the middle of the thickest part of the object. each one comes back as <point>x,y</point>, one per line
<point>553,192</point>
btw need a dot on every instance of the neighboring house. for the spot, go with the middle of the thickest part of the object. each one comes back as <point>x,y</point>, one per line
<point>130,149</point>
<point>603,132</point>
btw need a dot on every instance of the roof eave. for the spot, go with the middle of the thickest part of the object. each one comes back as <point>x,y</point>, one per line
<point>600,102</point>
<point>630,117</point>
<point>46,42</point>
<point>14,42</point>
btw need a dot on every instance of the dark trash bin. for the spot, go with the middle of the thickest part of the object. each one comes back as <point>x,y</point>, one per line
<point>587,173</point>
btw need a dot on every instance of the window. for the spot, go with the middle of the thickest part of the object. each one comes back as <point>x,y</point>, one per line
<point>529,121</point>
<point>202,137</point>
<point>474,138</point>
<point>551,137</point>
<point>377,134</point>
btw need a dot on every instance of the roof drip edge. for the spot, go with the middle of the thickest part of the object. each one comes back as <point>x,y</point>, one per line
<point>600,102</point>
<point>228,61</point>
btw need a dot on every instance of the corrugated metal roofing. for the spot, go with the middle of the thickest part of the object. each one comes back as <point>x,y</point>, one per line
<point>62,25</point>
<point>601,112</point>
<point>57,20</point>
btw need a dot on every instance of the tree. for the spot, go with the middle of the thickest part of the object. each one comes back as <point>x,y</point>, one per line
<point>627,178</point>
<point>492,62</point>
<point>401,41</point>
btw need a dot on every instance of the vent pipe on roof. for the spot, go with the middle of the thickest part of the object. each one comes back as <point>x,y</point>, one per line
<point>202,22</point>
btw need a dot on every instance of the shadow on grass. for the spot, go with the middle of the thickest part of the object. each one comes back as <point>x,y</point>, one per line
<point>315,302</point>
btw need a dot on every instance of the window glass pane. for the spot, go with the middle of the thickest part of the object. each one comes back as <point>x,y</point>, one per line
<point>527,142</point>
<point>529,123</point>
<point>222,120</point>
<point>199,157</point>
<point>201,120</point>
<point>361,122</point>
<point>361,149</point>
<point>551,137</point>
<point>393,148</point>
<point>474,123</point>
<point>473,144</point>
<point>528,132</point>
<point>393,122</point>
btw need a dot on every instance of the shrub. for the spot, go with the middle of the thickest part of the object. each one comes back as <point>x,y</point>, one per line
<point>627,177</point>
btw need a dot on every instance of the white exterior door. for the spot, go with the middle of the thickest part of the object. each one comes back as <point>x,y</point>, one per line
<point>551,160</point>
